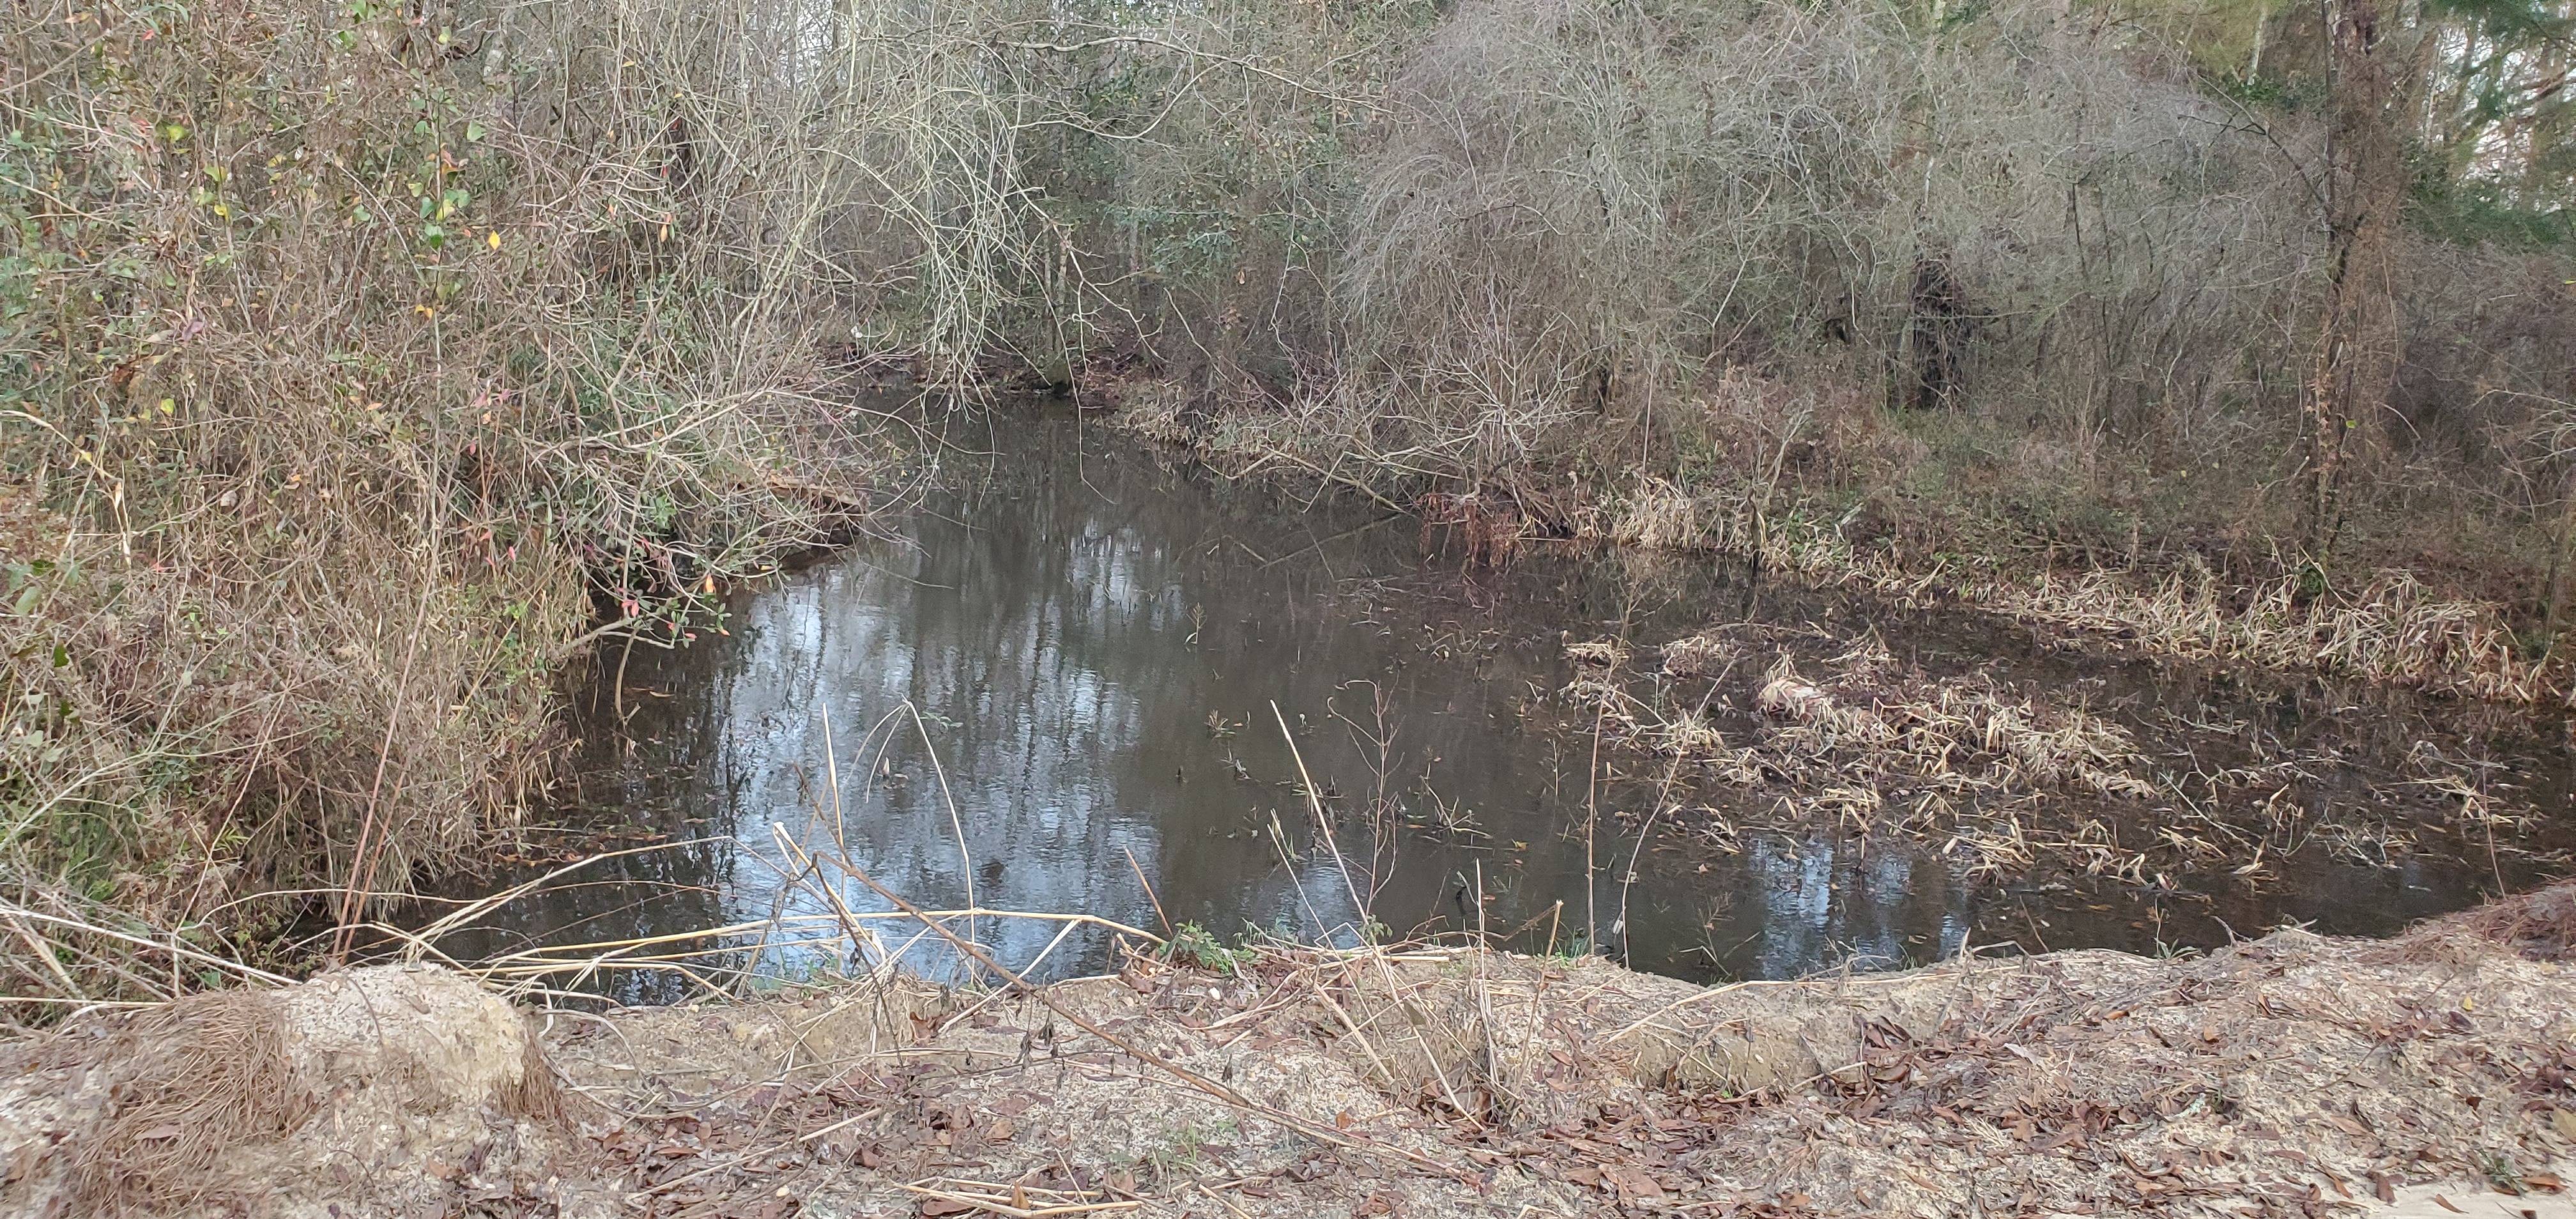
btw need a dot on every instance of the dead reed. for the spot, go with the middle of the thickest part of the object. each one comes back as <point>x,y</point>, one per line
<point>1870,717</point>
<point>2009,782</point>
<point>2391,628</point>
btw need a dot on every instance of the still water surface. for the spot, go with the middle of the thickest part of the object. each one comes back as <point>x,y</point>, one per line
<point>1069,654</point>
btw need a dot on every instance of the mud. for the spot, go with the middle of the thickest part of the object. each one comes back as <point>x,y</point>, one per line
<point>2293,1074</point>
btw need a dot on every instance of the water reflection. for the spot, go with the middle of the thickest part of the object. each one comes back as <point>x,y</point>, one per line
<point>1053,690</point>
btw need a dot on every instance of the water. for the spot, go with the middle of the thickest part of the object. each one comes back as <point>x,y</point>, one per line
<point>1070,652</point>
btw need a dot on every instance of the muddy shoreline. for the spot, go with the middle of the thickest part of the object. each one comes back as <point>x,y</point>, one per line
<point>2293,1075</point>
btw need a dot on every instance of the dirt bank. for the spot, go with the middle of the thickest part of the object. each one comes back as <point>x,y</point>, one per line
<point>2289,1075</point>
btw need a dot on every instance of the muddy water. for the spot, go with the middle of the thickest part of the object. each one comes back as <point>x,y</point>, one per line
<point>1052,686</point>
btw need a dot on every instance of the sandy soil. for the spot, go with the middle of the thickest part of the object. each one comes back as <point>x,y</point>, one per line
<point>2430,1075</point>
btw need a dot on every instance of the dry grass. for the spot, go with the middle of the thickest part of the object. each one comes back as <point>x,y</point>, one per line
<point>1658,517</point>
<point>1762,732</point>
<point>1769,729</point>
<point>2541,926</point>
<point>1871,718</point>
<point>2289,1075</point>
<point>382,1088</point>
<point>197,1079</point>
<point>2392,628</point>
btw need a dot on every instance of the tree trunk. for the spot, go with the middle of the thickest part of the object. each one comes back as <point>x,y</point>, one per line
<point>2358,342</point>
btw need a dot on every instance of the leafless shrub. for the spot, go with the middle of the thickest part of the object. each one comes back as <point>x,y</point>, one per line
<point>1579,207</point>
<point>360,356</point>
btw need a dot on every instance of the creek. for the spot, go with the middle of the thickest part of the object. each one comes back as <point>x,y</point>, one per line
<point>1050,686</point>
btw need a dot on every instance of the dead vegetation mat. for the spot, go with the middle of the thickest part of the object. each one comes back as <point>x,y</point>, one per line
<point>2294,1074</point>
<point>1753,729</point>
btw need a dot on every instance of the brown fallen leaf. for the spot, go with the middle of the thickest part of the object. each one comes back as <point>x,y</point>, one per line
<point>1632,1182</point>
<point>2445,1204</point>
<point>1003,1129</point>
<point>2543,1180</point>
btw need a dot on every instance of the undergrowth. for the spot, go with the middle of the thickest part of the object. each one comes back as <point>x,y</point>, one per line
<point>2016,301</point>
<point>353,360</point>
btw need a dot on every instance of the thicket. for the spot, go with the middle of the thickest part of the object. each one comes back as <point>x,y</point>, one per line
<point>360,362</point>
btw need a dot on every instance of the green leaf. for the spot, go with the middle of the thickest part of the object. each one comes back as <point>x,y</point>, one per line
<point>473,133</point>
<point>27,600</point>
<point>62,657</point>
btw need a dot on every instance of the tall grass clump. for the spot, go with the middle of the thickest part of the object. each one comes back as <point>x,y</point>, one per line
<point>355,358</point>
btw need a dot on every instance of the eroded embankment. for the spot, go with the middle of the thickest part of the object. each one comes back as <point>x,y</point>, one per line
<point>2293,1074</point>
